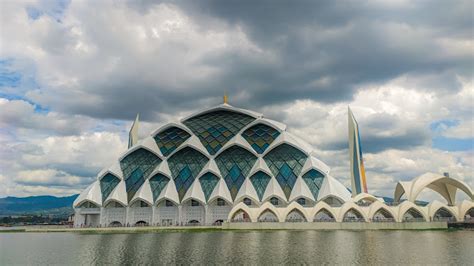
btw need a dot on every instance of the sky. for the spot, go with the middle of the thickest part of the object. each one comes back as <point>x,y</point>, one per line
<point>74,74</point>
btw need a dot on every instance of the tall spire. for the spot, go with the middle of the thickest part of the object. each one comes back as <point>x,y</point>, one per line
<point>133,133</point>
<point>358,180</point>
<point>225,98</point>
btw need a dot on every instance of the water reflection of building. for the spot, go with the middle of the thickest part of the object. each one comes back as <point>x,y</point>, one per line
<point>231,164</point>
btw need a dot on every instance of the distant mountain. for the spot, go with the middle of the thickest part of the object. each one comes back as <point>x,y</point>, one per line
<point>35,204</point>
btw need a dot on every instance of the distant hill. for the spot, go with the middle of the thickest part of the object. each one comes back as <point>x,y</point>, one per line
<point>36,204</point>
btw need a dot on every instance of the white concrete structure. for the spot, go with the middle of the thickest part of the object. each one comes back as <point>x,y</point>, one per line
<point>229,164</point>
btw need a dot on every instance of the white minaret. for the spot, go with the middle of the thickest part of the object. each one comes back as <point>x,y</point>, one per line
<point>133,133</point>
<point>358,181</point>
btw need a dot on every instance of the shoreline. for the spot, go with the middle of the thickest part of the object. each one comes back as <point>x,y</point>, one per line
<point>238,227</point>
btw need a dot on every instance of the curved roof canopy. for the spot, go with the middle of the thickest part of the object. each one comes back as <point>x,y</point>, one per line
<point>445,186</point>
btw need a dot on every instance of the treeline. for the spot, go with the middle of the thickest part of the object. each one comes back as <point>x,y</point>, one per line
<point>31,220</point>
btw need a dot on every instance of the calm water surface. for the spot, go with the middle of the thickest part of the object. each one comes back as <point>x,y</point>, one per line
<point>240,247</point>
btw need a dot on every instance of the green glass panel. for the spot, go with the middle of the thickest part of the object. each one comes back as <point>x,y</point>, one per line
<point>108,184</point>
<point>235,164</point>
<point>185,165</point>
<point>157,183</point>
<point>260,136</point>
<point>260,181</point>
<point>285,162</point>
<point>136,167</point>
<point>215,129</point>
<point>208,183</point>
<point>170,139</point>
<point>314,180</point>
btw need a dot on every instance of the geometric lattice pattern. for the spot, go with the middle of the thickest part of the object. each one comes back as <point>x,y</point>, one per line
<point>185,165</point>
<point>215,129</point>
<point>314,180</point>
<point>107,185</point>
<point>170,139</point>
<point>285,162</point>
<point>137,166</point>
<point>157,183</point>
<point>260,136</point>
<point>260,181</point>
<point>208,183</point>
<point>235,163</point>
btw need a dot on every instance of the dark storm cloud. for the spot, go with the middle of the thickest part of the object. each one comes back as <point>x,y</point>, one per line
<point>347,44</point>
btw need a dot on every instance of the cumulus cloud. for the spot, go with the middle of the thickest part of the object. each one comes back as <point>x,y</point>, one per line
<point>74,74</point>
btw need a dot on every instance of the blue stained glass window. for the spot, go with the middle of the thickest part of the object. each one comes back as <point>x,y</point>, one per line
<point>260,136</point>
<point>134,182</point>
<point>157,183</point>
<point>136,167</point>
<point>170,139</point>
<point>208,183</point>
<point>185,165</point>
<point>215,129</point>
<point>235,163</point>
<point>285,162</point>
<point>107,185</point>
<point>260,181</point>
<point>314,180</point>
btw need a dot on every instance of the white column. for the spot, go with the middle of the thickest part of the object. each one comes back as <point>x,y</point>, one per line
<point>206,214</point>
<point>180,213</point>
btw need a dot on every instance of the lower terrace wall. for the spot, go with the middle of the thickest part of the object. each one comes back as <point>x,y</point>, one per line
<point>335,226</point>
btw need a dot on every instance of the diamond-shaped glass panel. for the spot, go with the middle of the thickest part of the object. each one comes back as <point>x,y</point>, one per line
<point>107,185</point>
<point>285,162</point>
<point>157,183</point>
<point>260,136</point>
<point>208,183</point>
<point>215,129</point>
<point>170,139</point>
<point>185,165</point>
<point>260,181</point>
<point>139,164</point>
<point>235,164</point>
<point>314,180</point>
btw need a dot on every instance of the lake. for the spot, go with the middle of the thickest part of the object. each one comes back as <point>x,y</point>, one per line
<point>239,247</point>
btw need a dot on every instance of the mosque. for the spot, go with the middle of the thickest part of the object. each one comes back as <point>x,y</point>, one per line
<point>226,164</point>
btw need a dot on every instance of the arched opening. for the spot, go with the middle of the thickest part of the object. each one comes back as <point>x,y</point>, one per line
<point>469,216</point>
<point>88,205</point>
<point>193,223</point>
<point>275,201</point>
<point>140,204</point>
<point>412,215</point>
<point>442,214</point>
<point>302,201</point>
<point>268,217</point>
<point>114,204</point>
<point>364,202</point>
<point>333,201</point>
<point>324,216</point>
<point>240,216</point>
<point>218,222</point>
<point>141,223</point>
<point>115,224</point>
<point>383,215</point>
<point>353,215</point>
<point>295,216</point>
<point>247,201</point>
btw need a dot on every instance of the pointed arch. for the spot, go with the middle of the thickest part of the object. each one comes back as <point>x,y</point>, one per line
<point>295,215</point>
<point>444,214</point>
<point>294,206</point>
<point>241,208</point>
<point>267,215</point>
<point>409,212</point>
<point>352,212</point>
<point>324,215</point>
